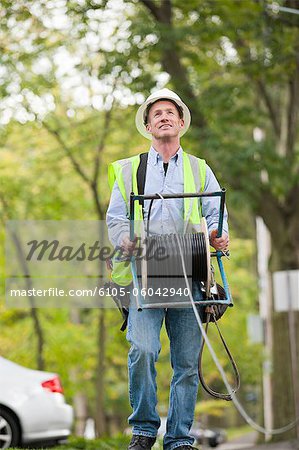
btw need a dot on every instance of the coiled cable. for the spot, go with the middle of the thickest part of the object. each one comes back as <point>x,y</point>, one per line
<point>229,388</point>
<point>194,251</point>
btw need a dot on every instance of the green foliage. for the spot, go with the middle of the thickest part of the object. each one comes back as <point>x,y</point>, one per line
<point>215,408</point>
<point>67,344</point>
<point>226,50</point>
<point>102,444</point>
<point>70,347</point>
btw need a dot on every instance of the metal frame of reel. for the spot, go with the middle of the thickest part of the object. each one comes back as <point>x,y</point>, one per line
<point>217,254</point>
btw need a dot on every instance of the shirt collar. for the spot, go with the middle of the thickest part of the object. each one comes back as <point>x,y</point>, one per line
<point>154,156</point>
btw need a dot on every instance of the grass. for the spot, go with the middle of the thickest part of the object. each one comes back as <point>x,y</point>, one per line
<point>77,443</point>
<point>236,432</point>
<point>121,442</point>
<point>115,443</point>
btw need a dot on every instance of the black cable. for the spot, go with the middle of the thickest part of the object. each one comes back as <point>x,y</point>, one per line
<point>194,252</point>
<point>149,216</point>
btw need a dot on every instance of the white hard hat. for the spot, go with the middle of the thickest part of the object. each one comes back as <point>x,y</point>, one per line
<point>166,94</point>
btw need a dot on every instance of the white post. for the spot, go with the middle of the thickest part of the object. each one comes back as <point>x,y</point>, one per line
<point>265,301</point>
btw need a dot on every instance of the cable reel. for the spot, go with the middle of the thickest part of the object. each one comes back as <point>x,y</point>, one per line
<point>194,249</point>
<point>188,257</point>
<point>196,253</point>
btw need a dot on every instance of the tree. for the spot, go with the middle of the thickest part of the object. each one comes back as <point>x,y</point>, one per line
<point>237,64</point>
<point>234,62</point>
<point>38,329</point>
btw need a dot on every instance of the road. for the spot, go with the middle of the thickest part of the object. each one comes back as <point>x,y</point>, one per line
<point>243,442</point>
<point>248,442</point>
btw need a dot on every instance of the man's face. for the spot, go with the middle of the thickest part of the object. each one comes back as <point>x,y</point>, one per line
<point>164,120</point>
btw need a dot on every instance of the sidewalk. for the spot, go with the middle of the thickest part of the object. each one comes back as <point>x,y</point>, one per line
<point>248,442</point>
<point>278,446</point>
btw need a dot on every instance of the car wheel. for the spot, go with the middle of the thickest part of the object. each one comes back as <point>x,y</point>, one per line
<point>213,443</point>
<point>9,430</point>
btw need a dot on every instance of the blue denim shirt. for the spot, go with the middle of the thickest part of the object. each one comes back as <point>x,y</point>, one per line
<point>171,183</point>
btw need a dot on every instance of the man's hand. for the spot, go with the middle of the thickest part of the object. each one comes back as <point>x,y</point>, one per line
<point>127,245</point>
<point>220,243</point>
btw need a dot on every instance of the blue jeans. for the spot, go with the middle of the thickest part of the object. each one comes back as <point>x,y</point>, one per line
<point>144,336</point>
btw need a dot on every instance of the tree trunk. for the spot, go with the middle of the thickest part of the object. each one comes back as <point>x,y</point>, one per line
<point>101,423</point>
<point>80,408</point>
<point>79,400</point>
<point>100,419</point>
<point>284,256</point>
<point>40,340</point>
<point>283,393</point>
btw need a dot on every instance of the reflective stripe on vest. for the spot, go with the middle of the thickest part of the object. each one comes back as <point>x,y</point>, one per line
<point>124,172</point>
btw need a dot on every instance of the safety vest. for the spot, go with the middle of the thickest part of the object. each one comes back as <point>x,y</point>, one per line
<point>124,171</point>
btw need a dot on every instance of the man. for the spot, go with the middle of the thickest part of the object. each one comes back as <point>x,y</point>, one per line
<point>163,118</point>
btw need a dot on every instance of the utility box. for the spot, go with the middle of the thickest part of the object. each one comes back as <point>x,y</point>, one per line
<point>286,290</point>
<point>255,329</point>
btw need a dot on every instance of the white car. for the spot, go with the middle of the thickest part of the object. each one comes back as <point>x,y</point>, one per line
<point>32,406</point>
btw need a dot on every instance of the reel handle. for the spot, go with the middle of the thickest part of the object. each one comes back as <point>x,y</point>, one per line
<point>221,212</point>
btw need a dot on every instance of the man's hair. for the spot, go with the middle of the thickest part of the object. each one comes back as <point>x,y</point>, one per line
<point>147,110</point>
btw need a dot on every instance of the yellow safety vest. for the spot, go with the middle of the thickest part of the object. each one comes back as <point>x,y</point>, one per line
<point>124,171</point>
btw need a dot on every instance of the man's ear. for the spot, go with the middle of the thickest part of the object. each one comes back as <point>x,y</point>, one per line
<point>182,123</point>
<point>148,128</point>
